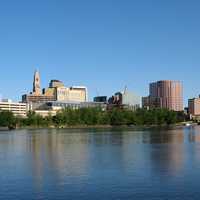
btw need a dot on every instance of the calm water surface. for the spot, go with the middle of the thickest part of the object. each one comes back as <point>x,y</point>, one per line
<point>100,164</point>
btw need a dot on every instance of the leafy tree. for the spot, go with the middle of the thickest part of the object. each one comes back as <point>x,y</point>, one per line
<point>7,119</point>
<point>95,116</point>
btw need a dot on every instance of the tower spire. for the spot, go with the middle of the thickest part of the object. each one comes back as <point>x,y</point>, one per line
<point>36,83</point>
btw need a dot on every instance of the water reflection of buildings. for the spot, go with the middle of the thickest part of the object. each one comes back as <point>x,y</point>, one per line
<point>194,139</point>
<point>194,134</point>
<point>57,154</point>
<point>167,151</point>
<point>65,156</point>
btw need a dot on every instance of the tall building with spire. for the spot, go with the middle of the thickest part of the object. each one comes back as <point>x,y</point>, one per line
<point>55,92</point>
<point>36,83</point>
<point>37,96</point>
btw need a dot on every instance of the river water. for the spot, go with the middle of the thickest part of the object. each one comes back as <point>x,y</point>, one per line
<point>50,164</point>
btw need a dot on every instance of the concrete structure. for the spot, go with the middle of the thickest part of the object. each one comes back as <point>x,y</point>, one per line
<point>30,98</point>
<point>125,99</point>
<point>194,107</point>
<point>75,93</point>
<point>32,106</point>
<point>45,113</point>
<point>18,109</point>
<point>165,94</point>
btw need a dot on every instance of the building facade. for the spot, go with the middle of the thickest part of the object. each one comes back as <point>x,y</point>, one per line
<point>18,109</point>
<point>125,99</point>
<point>194,107</point>
<point>55,92</point>
<point>165,94</point>
<point>55,84</point>
<point>100,99</point>
<point>59,105</point>
<point>75,93</point>
<point>27,98</point>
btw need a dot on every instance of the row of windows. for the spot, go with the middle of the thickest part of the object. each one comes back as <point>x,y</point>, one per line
<point>13,105</point>
<point>13,110</point>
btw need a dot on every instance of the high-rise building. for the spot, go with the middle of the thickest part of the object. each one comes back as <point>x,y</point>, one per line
<point>165,94</point>
<point>194,106</point>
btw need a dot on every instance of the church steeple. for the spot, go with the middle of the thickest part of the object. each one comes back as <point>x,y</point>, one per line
<point>36,83</point>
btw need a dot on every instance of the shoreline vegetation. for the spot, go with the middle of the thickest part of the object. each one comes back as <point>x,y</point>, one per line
<point>94,118</point>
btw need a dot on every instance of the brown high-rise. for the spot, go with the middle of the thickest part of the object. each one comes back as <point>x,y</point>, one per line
<point>166,94</point>
<point>194,106</point>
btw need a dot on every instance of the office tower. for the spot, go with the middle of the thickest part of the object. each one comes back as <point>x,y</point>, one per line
<point>165,94</point>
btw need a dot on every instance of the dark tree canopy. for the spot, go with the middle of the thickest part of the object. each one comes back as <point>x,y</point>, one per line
<point>94,116</point>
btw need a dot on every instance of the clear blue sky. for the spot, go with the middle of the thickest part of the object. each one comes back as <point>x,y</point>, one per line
<point>103,44</point>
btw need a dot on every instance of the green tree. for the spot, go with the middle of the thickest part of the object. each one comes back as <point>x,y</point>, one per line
<point>7,119</point>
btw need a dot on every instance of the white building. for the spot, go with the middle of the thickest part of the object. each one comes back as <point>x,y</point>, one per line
<point>74,93</point>
<point>18,109</point>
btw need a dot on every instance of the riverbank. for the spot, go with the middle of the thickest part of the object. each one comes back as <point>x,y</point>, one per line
<point>108,127</point>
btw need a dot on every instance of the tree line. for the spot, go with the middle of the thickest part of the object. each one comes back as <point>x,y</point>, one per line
<point>93,116</point>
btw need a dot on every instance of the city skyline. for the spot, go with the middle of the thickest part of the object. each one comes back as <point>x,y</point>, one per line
<point>104,45</point>
<point>185,101</point>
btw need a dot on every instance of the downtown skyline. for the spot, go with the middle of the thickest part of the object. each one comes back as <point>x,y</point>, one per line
<point>41,90</point>
<point>103,45</point>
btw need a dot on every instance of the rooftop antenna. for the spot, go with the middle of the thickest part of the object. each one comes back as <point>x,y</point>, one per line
<point>36,69</point>
<point>125,89</point>
<point>97,92</point>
